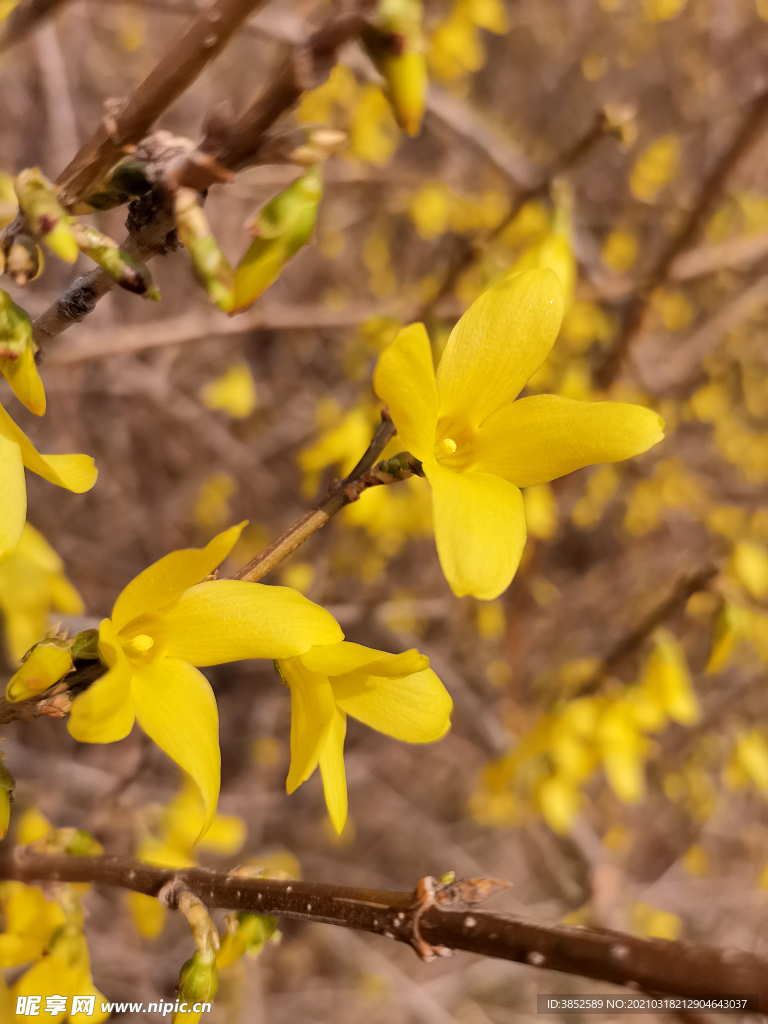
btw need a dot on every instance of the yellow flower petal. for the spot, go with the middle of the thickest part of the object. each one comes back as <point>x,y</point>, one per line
<point>312,710</point>
<point>338,659</point>
<point>405,380</point>
<point>25,381</point>
<point>415,708</point>
<point>147,913</point>
<point>168,578</point>
<point>498,344</point>
<point>332,769</point>
<point>75,472</point>
<point>479,530</point>
<point>104,713</point>
<point>230,620</point>
<point>543,437</point>
<point>13,497</point>
<point>176,708</point>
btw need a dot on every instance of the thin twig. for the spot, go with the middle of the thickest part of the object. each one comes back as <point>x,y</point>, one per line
<point>204,325</point>
<point>341,494</point>
<point>234,146</point>
<point>711,189</point>
<point>172,76</point>
<point>651,965</point>
<point>626,645</point>
<point>467,250</point>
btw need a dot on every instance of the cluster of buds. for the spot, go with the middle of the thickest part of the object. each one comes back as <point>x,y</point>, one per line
<point>43,218</point>
<point>280,229</point>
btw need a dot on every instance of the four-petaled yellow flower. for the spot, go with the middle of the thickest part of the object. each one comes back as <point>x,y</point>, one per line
<point>75,472</point>
<point>477,444</point>
<point>163,624</point>
<point>397,694</point>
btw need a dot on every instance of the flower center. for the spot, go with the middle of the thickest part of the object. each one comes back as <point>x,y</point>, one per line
<point>455,444</point>
<point>139,644</point>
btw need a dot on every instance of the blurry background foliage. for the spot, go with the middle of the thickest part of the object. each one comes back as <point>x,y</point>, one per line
<point>631,793</point>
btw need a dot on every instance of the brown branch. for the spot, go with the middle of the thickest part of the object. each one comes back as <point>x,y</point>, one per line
<point>651,965</point>
<point>202,325</point>
<point>341,494</point>
<point>627,645</point>
<point>152,232</point>
<point>171,77</point>
<point>468,250</point>
<point>711,189</point>
<point>236,145</point>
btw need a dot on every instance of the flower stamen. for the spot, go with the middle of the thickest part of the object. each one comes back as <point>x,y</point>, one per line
<point>139,644</point>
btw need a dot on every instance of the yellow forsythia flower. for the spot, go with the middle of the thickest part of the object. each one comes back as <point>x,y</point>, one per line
<point>620,250</point>
<point>479,446</point>
<point>750,566</point>
<point>397,694</point>
<point>668,681</point>
<point>559,800</point>
<point>373,131</point>
<point>32,584</point>
<point>655,167</point>
<point>234,392</point>
<point>30,920</point>
<point>75,472</point>
<point>163,624</point>
<point>65,970</point>
<point>17,355</point>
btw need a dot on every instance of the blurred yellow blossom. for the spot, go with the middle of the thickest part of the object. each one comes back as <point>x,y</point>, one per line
<point>696,861</point>
<point>540,511</point>
<point>455,45</point>
<point>491,620</point>
<point>234,392</point>
<point>299,575</point>
<point>211,510</point>
<point>373,132</point>
<point>602,484</point>
<point>32,585</point>
<point>674,308</point>
<point>620,250</point>
<point>173,843</point>
<point>749,564</point>
<point>652,923</point>
<point>662,10</point>
<point>655,167</point>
